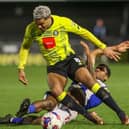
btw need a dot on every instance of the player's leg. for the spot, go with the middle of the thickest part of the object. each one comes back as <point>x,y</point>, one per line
<point>5,119</point>
<point>23,107</point>
<point>31,119</point>
<point>77,93</point>
<point>57,84</point>
<point>10,119</point>
<point>57,78</point>
<point>88,80</point>
<point>45,104</point>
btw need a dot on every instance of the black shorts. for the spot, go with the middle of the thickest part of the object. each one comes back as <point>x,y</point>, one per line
<point>67,67</point>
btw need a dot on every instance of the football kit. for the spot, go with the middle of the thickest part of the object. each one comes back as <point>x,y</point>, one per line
<point>54,42</point>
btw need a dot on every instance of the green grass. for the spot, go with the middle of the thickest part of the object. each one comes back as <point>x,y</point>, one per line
<point>12,92</point>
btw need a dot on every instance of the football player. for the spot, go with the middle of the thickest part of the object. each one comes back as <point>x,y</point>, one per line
<point>78,90</point>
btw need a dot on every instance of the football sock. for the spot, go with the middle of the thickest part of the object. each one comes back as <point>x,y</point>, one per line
<point>95,88</point>
<point>16,120</point>
<point>71,103</point>
<point>68,101</point>
<point>105,96</point>
<point>31,109</point>
<point>61,96</point>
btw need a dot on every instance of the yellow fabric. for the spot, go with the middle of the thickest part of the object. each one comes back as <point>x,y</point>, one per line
<point>95,87</point>
<point>58,33</point>
<point>23,58</point>
<point>62,96</point>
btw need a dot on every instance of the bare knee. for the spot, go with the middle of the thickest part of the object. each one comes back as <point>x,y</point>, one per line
<point>50,103</point>
<point>56,83</point>
<point>57,90</point>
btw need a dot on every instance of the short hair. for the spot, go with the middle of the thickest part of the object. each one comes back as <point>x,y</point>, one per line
<point>41,11</point>
<point>102,66</point>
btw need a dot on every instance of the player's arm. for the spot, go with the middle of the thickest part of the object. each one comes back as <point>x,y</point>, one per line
<point>83,32</point>
<point>90,62</point>
<point>91,56</point>
<point>23,54</point>
<point>73,27</point>
<point>121,47</point>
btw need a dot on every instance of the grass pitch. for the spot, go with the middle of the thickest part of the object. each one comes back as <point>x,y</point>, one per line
<point>12,92</point>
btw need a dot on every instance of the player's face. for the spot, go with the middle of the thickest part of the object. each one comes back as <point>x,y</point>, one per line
<point>43,23</point>
<point>101,74</point>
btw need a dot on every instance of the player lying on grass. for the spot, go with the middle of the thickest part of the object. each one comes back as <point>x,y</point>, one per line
<point>100,73</point>
<point>66,115</point>
<point>76,90</point>
<point>39,105</point>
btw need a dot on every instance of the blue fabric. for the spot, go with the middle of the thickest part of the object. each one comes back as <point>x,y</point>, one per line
<point>17,120</point>
<point>93,102</point>
<point>31,109</point>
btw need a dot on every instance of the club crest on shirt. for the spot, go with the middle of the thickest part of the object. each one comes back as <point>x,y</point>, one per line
<point>55,32</point>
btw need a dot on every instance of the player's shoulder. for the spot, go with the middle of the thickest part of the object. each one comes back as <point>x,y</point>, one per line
<point>31,28</point>
<point>61,19</point>
<point>31,24</point>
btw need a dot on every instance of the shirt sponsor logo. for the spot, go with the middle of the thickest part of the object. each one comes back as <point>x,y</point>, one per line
<point>48,42</point>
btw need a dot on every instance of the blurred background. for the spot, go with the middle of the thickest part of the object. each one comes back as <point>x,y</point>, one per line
<point>107,19</point>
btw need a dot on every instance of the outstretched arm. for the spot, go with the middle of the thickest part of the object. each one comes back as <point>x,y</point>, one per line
<point>90,61</point>
<point>122,47</point>
<point>117,49</point>
<point>91,56</point>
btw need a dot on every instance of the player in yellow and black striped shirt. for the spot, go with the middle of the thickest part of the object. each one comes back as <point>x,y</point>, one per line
<point>51,33</point>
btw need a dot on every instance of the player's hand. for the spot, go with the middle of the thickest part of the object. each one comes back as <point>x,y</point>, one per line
<point>98,120</point>
<point>111,53</point>
<point>22,76</point>
<point>123,46</point>
<point>86,47</point>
